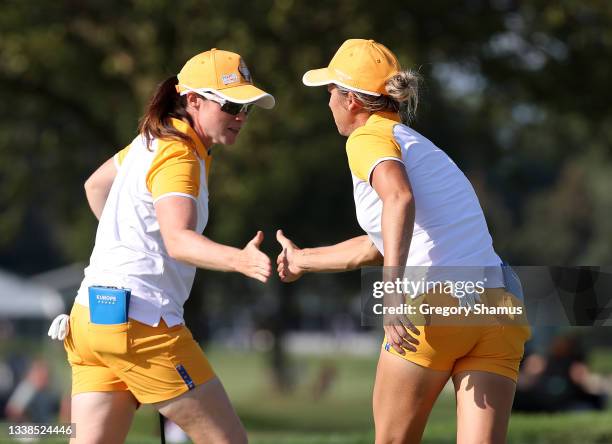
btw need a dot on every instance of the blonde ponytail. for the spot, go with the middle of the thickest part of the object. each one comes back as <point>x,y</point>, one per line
<point>403,88</point>
<point>402,96</point>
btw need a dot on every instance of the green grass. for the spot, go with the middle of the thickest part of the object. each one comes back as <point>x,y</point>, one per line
<point>600,360</point>
<point>343,415</point>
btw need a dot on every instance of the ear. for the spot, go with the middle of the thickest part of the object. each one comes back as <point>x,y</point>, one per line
<point>192,100</point>
<point>352,104</point>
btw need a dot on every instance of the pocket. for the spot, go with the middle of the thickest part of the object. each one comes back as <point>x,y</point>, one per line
<point>72,354</point>
<point>74,339</point>
<point>516,336</point>
<point>108,338</point>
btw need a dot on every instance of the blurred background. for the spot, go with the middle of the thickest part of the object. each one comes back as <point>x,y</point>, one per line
<point>517,93</point>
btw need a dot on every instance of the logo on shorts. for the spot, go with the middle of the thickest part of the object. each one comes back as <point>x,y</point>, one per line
<point>186,378</point>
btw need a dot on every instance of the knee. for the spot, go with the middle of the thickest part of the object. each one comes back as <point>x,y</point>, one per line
<point>397,436</point>
<point>240,437</point>
<point>236,435</point>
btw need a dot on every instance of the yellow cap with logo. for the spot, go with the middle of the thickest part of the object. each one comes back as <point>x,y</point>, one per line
<point>359,65</point>
<point>223,73</point>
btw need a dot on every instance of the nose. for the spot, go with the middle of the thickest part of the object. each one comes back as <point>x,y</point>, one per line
<point>242,116</point>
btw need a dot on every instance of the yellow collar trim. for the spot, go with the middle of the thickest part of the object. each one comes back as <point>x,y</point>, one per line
<point>185,128</point>
<point>384,115</point>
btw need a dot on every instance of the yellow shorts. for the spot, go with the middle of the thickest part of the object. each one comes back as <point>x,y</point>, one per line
<point>154,363</point>
<point>492,344</point>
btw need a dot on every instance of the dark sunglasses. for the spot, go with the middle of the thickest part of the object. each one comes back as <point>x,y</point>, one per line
<point>231,108</point>
<point>234,109</point>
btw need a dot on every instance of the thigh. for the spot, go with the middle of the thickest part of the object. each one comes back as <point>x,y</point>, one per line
<point>102,417</point>
<point>161,363</point>
<point>484,403</point>
<point>206,414</point>
<point>404,394</point>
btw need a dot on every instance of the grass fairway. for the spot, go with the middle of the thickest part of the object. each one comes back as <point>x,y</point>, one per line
<point>343,414</point>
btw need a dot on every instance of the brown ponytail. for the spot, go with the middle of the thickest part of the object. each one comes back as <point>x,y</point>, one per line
<point>165,104</point>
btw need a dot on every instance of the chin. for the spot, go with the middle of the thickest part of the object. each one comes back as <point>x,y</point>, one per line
<point>230,140</point>
<point>226,139</point>
<point>341,130</point>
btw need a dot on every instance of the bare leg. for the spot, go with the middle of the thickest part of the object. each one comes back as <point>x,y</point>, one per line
<point>484,403</point>
<point>205,414</point>
<point>102,417</point>
<point>404,394</point>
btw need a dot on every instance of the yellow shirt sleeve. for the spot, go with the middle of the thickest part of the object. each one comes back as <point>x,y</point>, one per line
<point>366,149</point>
<point>174,170</point>
<point>118,157</point>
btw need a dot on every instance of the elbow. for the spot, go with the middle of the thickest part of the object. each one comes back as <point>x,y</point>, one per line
<point>88,186</point>
<point>368,256</point>
<point>371,255</point>
<point>405,197</point>
<point>173,251</point>
<point>90,191</point>
<point>91,186</point>
<point>401,199</point>
<point>174,247</point>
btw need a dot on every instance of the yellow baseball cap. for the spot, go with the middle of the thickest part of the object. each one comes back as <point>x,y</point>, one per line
<point>225,74</point>
<point>359,65</point>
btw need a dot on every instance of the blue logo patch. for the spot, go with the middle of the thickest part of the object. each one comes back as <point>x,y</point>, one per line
<point>186,378</point>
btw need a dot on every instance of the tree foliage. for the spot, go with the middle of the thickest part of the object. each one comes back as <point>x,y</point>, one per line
<point>516,92</point>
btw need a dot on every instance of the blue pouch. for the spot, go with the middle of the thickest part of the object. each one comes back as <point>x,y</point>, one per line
<point>108,305</point>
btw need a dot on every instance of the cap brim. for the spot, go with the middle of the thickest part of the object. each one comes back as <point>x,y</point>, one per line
<point>318,77</point>
<point>324,76</point>
<point>247,94</point>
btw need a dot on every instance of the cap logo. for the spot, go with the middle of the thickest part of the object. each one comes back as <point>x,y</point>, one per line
<point>244,71</point>
<point>229,78</point>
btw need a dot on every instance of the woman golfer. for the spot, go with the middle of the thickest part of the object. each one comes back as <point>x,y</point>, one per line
<point>418,209</point>
<point>151,199</point>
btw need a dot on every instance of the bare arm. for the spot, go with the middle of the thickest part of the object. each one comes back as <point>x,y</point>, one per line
<point>177,221</point>
<point>348,255</point>
<point>391,183</point>
<point>98,185</point>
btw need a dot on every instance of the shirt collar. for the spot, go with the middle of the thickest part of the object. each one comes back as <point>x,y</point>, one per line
<point>384,115</point>
<point>185,128</point>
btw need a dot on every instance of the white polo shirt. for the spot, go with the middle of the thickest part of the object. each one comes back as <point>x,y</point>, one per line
<point>449,227</point>
<point>129,250</point>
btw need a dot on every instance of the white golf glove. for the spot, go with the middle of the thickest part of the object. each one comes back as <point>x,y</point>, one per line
<point>60,327</point>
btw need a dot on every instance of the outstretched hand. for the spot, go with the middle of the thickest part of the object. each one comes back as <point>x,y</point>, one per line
<point>288,268</point>
<point>252,262</point>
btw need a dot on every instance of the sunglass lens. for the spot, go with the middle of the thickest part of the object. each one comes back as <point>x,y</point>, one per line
<point>235,108</point>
